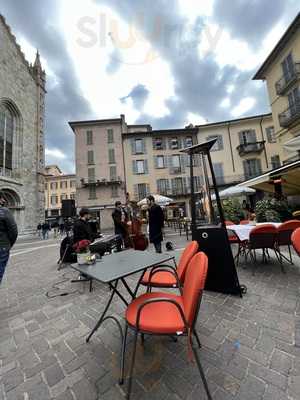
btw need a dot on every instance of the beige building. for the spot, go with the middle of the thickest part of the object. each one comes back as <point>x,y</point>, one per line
<point>245,148</point>
<point>22,110</point>
<point>281,70</point>
<point>100,169</point>
<point>58,187</point>
<point>115,160</point>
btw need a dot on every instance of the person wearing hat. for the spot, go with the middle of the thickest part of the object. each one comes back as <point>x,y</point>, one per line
<point>82,229</point>
<point>8,235</point>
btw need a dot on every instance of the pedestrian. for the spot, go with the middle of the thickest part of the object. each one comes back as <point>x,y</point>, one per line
<point>39,230</point>
<point>8,235</point>
<point>45,230</point>
<point>156,223</point>
<point>120,218</point>
<point>55,227</point>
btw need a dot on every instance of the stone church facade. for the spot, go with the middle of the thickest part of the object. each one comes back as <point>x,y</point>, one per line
<point>22,151</point>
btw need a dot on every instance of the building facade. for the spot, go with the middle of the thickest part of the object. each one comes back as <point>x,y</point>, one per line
<point>22,110</point>
<point>116,161</point>
<point>281,71</point>
<point>100,169</point>
<point>58,187</point>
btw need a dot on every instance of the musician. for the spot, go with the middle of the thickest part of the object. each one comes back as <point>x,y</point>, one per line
<point>82,229</point>
<point>120,219</point>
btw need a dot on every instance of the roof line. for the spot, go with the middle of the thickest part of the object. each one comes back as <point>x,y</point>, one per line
<point>295,24</point>
<point>235,120</point>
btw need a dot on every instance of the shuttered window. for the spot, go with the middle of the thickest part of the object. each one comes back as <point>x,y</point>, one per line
<point>90,157</point>
<point>275,161</point>
<point>110,136</point>
<point>252,167</point>
<point>114,191</point>
<point>92,192</point>
<point>111,156</point>
<point>89,137</point>
<point>270,132</point>
<point>113,173</point>
<point>91,175</point>
<point>140,166</point>
<point>247,136</point>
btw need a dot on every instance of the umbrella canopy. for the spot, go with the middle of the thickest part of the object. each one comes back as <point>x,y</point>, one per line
<point>234,191</point>
<point>159,199</point>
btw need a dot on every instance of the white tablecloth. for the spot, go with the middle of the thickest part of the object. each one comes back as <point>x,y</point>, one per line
<point>243,231</point>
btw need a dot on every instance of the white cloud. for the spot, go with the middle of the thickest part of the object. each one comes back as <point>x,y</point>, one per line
<point>195,119</point>
<point>55,154</point>
<point>244,106</point>
<point>225,103</point>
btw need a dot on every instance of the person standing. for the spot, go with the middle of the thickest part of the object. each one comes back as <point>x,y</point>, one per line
<point>156,223</point>
<point>39,230</point>
<point>8,235</point>
<point>119,217</point>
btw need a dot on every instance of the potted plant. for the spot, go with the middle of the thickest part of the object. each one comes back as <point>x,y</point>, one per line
<point>83,251</point>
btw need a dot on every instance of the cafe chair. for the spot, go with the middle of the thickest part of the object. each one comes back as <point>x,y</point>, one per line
<point>167,276</point>
<point>263,237</point>
<point>234,239</point>
<point>168,314</point>
<point>284,233</point>
<point>296,240</point>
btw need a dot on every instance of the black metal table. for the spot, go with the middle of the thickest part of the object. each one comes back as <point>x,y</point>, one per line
<point>114,268</point>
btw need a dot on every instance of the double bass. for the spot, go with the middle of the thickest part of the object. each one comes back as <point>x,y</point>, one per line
<point>138,239</point>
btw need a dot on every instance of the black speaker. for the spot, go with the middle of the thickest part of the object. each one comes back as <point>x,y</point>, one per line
<point>68,208</point>
<point>222,275</point>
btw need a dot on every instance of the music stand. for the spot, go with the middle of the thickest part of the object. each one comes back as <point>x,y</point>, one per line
<point>212,236</point>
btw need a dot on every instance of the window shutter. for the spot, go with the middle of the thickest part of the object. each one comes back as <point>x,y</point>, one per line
<point>144,149</point>
<point>182,162</point>
<point>147,189</point>
<point>164,143</point>
<point>155,162</point>
<point>241,137</point>
<point>251,136</point>
<point>257,166</point>
<point>136,191</point>
<point>134,167</point>
<point>180,144</point>
<point>169,161</point>
<point>146,171</point>
<point>220,140</point>
<point>132,141</point>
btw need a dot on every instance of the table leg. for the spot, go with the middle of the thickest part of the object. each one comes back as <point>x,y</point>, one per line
<point>103,314</point>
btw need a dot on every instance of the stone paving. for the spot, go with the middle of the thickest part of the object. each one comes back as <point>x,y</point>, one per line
<point>250,346</point>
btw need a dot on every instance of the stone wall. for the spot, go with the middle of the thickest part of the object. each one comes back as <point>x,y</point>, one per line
<point>18,87</point>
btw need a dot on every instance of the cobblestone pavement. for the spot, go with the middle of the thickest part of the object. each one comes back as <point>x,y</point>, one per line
<point>250,346</point>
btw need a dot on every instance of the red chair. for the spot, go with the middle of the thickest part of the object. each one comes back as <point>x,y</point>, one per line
<point>263,237</point>
<point>296,240</point>
<point>244,222</point>
<point>234,239</point>
<point>167,314</point>
<point>284,233</point>
<point>166,276</point>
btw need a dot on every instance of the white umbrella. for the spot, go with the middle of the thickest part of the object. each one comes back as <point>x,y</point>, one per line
<point>234,191</point>
<point>159,199</point>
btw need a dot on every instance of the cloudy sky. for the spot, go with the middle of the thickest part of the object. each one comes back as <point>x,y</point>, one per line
<point>164,62</point>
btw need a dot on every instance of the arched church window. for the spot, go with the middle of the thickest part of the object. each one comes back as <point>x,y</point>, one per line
<point>7,126</point>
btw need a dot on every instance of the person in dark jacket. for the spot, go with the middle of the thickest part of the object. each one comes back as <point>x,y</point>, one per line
<point>156,223</point>
<point>120,218</point>
<point>82,229</point>
<point>8,235</point>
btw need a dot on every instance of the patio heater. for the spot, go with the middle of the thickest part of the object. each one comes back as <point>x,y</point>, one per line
<point>208,224</point>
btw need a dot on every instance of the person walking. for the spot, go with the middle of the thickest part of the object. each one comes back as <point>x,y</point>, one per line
<point>39,230</point>
<point>156,223</point>
<point>45,230</point>
<point>8,235</point>
<point>120,218</point>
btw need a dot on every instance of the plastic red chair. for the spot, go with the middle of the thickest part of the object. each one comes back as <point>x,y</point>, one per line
<point>284,233</point>
<point>166,276</point>
<point>263,237</point>
<point>167,314</point>
<point>296,240</point>
<point>244,222</point>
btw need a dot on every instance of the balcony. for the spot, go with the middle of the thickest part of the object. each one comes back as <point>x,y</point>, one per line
<point>290,116</point>
<point>248,148</point>
<point>286,81</point>
<point>100,182</point>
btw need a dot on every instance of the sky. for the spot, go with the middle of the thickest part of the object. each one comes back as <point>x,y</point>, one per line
<point>168,63</point>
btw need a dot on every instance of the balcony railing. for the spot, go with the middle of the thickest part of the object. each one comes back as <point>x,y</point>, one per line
<point>290,115</point>
<point>287,80</point>
<point>100,182</point>
<point>247,148</point>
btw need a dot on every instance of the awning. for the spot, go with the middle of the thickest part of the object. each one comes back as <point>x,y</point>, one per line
<point>290,175</point>
<point>292,145</point>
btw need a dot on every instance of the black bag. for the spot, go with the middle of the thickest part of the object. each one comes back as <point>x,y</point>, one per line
<point>67,254</point>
